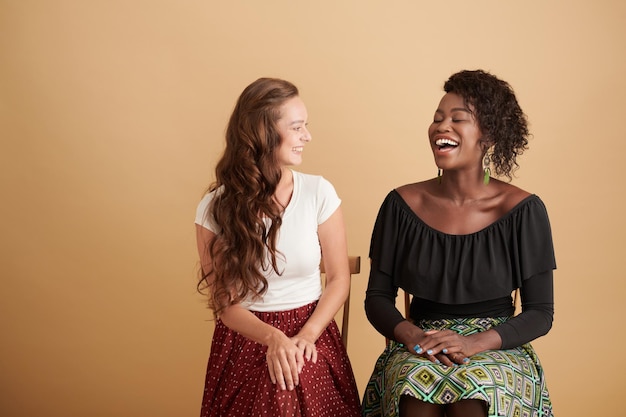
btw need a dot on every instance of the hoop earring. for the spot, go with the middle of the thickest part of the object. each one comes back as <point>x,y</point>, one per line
<point>486,169</point>
<point>439,175</point>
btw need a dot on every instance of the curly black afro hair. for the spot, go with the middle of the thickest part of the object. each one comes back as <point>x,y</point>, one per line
<point>495,107</point>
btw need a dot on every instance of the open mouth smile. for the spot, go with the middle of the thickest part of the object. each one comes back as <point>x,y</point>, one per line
<point>445,143</point>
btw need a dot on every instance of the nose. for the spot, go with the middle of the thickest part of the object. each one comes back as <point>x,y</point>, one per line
<point>444,125</point>
<point>306,135</point>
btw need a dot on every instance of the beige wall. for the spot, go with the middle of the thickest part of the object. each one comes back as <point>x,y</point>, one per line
<point>111,119</point>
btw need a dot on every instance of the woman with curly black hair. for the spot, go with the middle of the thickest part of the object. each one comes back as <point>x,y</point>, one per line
<point>462,244</point>
<point>261,229</point>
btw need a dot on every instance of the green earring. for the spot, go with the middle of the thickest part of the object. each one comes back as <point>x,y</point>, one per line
<point>486,169</point>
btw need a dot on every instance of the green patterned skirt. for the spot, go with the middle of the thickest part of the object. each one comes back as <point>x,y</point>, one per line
<point>510,381</point>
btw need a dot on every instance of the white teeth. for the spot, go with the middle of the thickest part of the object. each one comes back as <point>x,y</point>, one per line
<point>442,142</point>
<point>298,148</point>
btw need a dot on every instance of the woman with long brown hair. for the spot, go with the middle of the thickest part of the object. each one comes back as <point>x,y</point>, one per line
<point>261,230</point>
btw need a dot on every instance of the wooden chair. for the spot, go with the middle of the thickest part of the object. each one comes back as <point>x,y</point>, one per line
<point>407,304</point>
<point>355,268</point>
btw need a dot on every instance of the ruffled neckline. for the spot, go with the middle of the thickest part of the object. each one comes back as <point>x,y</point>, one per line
<point>498,222</point>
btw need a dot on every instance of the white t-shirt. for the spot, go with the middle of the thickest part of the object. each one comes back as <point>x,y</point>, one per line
<point>313,201</point>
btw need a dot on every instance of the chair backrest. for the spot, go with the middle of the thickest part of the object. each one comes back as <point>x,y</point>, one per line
<point>355,268</point>
<point>407,305</point>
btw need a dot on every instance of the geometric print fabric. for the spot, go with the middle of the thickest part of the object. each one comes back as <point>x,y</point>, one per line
<point>510,381</point>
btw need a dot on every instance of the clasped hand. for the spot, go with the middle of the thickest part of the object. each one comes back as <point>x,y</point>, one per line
<point>443,346</point>
<point>286,358</point>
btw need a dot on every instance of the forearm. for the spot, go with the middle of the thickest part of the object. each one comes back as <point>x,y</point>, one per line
<point>380,303</point>
<point>537,312</point>
<point>332,238</point>
<point>244,322</point>
<point>524,328</point>
<point>487,340</point>
<point>383,314</point>
<point>405,332</point>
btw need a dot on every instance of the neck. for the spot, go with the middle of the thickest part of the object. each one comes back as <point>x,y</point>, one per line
<point>286,178</point>
<point>463,187</point>
<point>284,189</point>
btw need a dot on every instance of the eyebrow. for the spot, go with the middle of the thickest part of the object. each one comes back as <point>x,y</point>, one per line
<point>295,122</point>
<point>455,109</point>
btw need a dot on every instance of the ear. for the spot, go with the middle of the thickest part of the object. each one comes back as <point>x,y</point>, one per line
<point>486,142</point>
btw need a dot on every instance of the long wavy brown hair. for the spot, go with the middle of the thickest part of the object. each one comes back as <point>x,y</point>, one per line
<point>244,207</point>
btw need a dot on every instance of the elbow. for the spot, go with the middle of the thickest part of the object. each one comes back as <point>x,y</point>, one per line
<point>543,322</point>
<point>376,302</point>
<point>368,309</point>
<point>372,309</point>
<point>547,324</point>
<point>541,315</point>
<point>339,285</point>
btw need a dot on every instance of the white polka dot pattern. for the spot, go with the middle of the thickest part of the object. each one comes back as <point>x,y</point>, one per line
<point>238,382</point>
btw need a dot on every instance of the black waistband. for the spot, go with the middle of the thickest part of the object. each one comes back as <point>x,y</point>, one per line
<point>426,309</point>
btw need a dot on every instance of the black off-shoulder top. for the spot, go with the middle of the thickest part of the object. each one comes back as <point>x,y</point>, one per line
<point>469,275</point>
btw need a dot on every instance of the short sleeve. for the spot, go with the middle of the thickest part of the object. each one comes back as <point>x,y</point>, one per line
<point>203,215</point>
<point>327,200</point>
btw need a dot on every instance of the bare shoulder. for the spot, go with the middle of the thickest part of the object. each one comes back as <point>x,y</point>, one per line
<point>416,191</point>
<point>509,195</point>
<point>420,196</point>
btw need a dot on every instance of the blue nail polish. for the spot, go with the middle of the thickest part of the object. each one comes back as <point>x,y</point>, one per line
<point>445,350</point>
<point>429,351</point>
<point>417,348</point>
<point>465,360</point>
<point>437,361</point>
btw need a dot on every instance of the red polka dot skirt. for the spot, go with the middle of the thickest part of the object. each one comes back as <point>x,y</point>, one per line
<point>238,382</point>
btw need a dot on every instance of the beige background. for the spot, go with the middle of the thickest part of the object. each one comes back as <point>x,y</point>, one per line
<point>111,119</point>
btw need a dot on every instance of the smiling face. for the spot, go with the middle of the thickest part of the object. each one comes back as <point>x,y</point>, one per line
<point>455,137</point>
<point>292,127</point>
